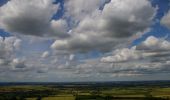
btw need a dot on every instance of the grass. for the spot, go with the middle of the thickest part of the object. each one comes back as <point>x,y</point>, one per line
<point>55,98</point>
<point>59,98</point>
<point>31,99</point>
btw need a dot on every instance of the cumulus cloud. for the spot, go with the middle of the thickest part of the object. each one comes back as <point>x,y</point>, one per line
<point>111,22</point>
<point>59,27</point>
<point>95,28</point>
<point>84,43</point>
<point>30,17</point>
<point>165,20</point>
<point>78,9</point>
<point>151,56</point>
<point>121,55</point>
<point>99,25</point>
<point>18,63</point>
<point>103,29</point>
<point>151,47</point>
<point>153,43</point>
<point>8,47</point>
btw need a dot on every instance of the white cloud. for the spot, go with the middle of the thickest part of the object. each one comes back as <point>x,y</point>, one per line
<point>165,20</point>
<point>10,55</point>
<point>31,17</point>
<point>152,46</point>
<point>18,63</point>
<point>118,19</point>
<point>131,73</point>
<point>135,61</point>
<point>84,43</point>
<point>78,9</point>
<point>153,43</point>
<point>45,54</point>
<point>72,57</point>
<point>8,46</point>
<point>59,27</point>
<point>104,29</point>
<point>121,55</point>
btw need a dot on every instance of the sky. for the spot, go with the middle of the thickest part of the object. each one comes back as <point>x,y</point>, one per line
<point>84,40</point>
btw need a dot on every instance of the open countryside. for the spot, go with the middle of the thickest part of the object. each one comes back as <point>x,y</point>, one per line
<point>157,90</point>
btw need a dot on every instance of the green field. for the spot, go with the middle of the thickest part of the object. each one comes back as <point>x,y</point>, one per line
<point>55,98</point>
<point>50,92</point>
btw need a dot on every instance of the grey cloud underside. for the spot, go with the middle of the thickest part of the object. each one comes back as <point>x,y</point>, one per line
<point>79,44</point>
<point>28,26</point>
<point>31,18</point>
<point>120,27</point>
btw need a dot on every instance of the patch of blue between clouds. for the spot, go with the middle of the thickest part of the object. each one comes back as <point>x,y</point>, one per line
<point>157,29</point>
<point>3,33</point>
<point>60,12</point>
<point>2,2</point>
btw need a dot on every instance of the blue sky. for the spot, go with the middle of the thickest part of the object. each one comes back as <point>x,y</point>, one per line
<point>78,40</point>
